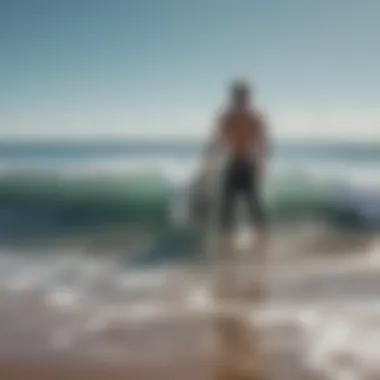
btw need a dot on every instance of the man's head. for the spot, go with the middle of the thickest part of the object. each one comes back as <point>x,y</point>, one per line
<point>240,93</point>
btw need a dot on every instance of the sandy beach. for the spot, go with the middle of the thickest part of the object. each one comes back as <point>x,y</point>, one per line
<point>70,317</point>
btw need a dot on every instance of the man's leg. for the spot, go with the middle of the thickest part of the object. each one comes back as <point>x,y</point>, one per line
<point>226,275</point>
<point>260,231</point>
<point>257,217</point>
<point>241,344</point>
<point>239,351</point>
<point>227,211</point>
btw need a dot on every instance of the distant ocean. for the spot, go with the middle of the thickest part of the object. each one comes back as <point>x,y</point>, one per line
<point>55,186</point>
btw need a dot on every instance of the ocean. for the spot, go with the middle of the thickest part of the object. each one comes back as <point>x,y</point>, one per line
<point>78,218</point>
<point>51,187</point>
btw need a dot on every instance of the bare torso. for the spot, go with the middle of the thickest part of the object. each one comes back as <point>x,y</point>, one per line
<point>241,131</point>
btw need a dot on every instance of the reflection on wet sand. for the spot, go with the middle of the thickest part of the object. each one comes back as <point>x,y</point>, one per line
<point>71,317</point>
<point>239,344</point>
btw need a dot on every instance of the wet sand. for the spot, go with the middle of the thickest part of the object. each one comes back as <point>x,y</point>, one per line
<point>66,371</point>
<point>167,325</point>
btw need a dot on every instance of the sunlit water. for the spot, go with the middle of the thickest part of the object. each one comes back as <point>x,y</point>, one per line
<point>69,305</point>
<point>66,303</point>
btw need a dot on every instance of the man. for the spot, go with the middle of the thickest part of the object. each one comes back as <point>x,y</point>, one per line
<point>242,131</point>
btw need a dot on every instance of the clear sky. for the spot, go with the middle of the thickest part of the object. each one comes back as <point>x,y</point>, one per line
<point>160,67</point>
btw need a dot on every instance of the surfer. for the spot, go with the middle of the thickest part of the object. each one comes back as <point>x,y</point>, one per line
<point>242,131</point>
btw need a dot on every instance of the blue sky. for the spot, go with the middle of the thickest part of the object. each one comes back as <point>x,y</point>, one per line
<point>160,67</point>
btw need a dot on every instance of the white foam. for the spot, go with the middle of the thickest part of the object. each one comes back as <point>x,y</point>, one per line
<point>326,331</point>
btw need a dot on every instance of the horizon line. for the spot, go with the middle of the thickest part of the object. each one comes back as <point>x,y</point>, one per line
<point>125,139</point>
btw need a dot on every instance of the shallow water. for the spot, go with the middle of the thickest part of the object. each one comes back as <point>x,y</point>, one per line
<point>77,300</point>
<point>78,307</point>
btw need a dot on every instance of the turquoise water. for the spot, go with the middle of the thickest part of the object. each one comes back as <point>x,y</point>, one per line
<point>72,186</point>
<point>60,299</point>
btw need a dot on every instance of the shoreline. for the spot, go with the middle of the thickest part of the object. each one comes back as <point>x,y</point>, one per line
<point>118,327</point>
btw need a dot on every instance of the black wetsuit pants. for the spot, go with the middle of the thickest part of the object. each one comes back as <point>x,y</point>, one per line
<point>241,179</point>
